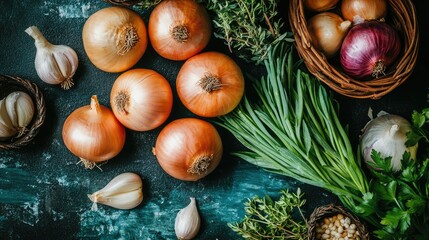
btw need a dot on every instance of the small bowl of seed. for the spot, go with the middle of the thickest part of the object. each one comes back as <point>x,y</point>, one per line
<point>334,222</point>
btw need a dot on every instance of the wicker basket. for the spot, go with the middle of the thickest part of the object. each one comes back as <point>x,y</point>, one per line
<point>401,15</point>
<point>330,210</point>
<point>9,84</point>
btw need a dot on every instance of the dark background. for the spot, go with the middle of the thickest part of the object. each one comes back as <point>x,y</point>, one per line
<point>43,190</point>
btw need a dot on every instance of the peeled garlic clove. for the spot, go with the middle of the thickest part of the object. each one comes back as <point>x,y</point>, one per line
<point>122,192</point>
<point>20,109</point>
<point>6,128</point>
<point>187,222</point>
<point>55,64</point>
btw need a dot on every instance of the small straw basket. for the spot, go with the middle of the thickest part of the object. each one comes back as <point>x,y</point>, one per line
<point>401,15</point>
<point>10,84</point>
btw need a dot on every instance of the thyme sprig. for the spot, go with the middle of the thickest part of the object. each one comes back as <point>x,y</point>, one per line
<point>146,4</point>
<point>268,219</point>
<point>248,27</point>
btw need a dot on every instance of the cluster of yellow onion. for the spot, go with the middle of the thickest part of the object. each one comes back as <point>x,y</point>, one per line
<point>209,84</point>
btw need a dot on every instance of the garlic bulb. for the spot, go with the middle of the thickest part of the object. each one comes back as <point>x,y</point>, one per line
<point>387,135</point>
<point>55,64</point>
<point>20,109</point>
<point>187,222</point>
<point>16,112</point>
<point>122,192</point>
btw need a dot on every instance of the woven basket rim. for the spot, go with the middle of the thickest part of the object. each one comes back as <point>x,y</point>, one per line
<point>40,111</point>
<point>329,210</point>
<point>403,16</point>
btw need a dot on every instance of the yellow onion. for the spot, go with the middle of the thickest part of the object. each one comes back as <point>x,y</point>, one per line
<point>358,10</point>
<point>319,5</point>
<point>141,99</point>
<point>210,84</point>
<point>327,31</point>
<point>179,29</point>
<point>114,38</point>
<point>93,134</point>
<point>188,149</point>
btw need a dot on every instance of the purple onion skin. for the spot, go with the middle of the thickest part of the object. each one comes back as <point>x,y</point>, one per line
<point>367,46</point>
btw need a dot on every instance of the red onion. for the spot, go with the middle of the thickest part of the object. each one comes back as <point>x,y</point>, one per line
<point>369,48</point>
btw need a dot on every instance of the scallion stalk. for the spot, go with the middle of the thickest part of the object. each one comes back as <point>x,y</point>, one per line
<point>292,128</point>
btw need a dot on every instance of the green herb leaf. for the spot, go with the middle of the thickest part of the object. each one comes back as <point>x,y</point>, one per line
<point>367,206</point>
<point>268,219</point>
<point>418,119</point>
<point>393,217</point>
<point>384,164</point>
<point>250,28</point>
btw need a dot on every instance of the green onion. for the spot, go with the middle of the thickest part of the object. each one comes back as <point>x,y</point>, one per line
<point>292,128</point>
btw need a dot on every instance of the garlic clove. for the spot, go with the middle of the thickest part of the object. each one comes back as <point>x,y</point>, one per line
<point>55,64</point>
<point>187,223</point>
<point>124,182</point>
<point>126,200</point>
<point>122,192</point>
<point>4,116</point>
<point>6,128</point>
<point>20,109</point>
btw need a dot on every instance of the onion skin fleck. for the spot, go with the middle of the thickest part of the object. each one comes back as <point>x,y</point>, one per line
<point>183,143</point>
<point>369,48</point>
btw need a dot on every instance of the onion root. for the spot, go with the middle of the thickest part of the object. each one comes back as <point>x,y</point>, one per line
<point>127,39</point>
<point>180,33</point>
<point>201,165</point>
<point>122,101</point>
<point>379,69</point>
<point>210,83</point>
<point>90,165</point>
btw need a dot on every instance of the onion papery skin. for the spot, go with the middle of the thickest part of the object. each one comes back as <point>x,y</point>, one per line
<point>141,99</point>
<point>93,133</point>
<point>186,17</point>
<point>183,143</point>
<point>114,38</point>
<point>222,99</point>
<point>368,49</point>
<point>319,5</point>
<point>358,10</point>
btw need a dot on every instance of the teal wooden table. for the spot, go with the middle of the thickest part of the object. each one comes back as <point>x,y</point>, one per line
<point>43,191</point>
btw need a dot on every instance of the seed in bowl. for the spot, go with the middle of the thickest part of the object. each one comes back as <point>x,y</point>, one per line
<point>337,227</point>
